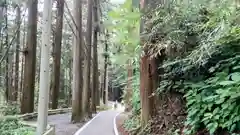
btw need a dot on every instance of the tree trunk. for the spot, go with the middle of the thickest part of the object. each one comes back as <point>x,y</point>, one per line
<point>129,85</point>
<point>95,89</point>
<point>57,54</point>
<point>44,69</point>
<point>87,65</point>
<point>6,44</point>
<point>22,61</point>
<point>148,78</point>
<point>10,74</point>
<point>77,113</point>
<point>105,82</point>
<point>70,82</point>
<point>16,77</point>
<point>27,104</point>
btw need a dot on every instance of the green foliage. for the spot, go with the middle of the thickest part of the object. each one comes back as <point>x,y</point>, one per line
<point>10,109</point>
<point>215,103</point>
<point>132,123</point>
<point>12,126</point>
<point>123,24</point>
<point>136,95</point>
<point>201,40</point>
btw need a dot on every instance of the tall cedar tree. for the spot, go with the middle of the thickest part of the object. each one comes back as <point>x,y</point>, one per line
<point>148,78</point>
<point>27,103</point>
<point>16,81</point>
<point>105,82</point>
<point>6,44</point>
<point>57,54</point>
<point>87,71</point>
<point>77,113</point>
<point>95,75</point>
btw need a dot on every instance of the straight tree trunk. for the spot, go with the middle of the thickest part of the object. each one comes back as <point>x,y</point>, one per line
<point>129,85</point>
<point>57,54</point>
<point>95,74</point>
<point>5,30</point>
<point>87,75</point>
<point>77,112</point>
<point>148,78</point>
<point>10,74</point>
<point>16,81</point>
<point>70,82</point>
<point>27,104</point>
<point>105,82</point>
<point>22,62</point>
<point>44,69</point>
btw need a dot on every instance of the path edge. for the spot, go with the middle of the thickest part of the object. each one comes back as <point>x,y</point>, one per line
<point>115,124</point>
<point>85,125</point>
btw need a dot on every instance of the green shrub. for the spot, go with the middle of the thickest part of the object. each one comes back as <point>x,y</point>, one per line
<point>215,103</point>
<point>12,126</point>
<point>136,94</point>
<point>132,123</point>
<point>10,109</point>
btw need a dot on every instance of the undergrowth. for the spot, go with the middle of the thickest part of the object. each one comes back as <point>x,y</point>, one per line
<point>10,108</point>
<point>13,126</point>
<point>201,43</point>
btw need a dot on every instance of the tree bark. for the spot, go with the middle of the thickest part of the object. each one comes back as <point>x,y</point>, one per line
<point>87,65</point>
<point>148,78</point>
<point>16,81</point>
<point>77,112</point>
<point>129,85</point>
<point>105,82</point>
<point>95,89</point>
<point>44,69</point>
<point>27,104</point>
<point>6,44</point>
<point>57,54</point>
<point>22,61</point>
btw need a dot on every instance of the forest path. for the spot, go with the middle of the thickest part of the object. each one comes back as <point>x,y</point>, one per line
<point>101,124</point>
<point>62,123</point>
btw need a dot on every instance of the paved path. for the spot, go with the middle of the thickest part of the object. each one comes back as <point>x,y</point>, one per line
<point>62,123</point>
<point>102,124</point>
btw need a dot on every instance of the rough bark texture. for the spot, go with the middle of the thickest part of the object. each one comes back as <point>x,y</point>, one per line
<point>77,113</point>
<point>16,81</point>
<point>148,80</point>
<point>95,89</point>
<point>5,30</point>
<point>57,54</point>
<point>129,86</point>
<point>22,60</point>
<point>27,104</point>
<point>87,65</point>
<point>105,71</point>
<point>70,82</point>
<point>10,74</point>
